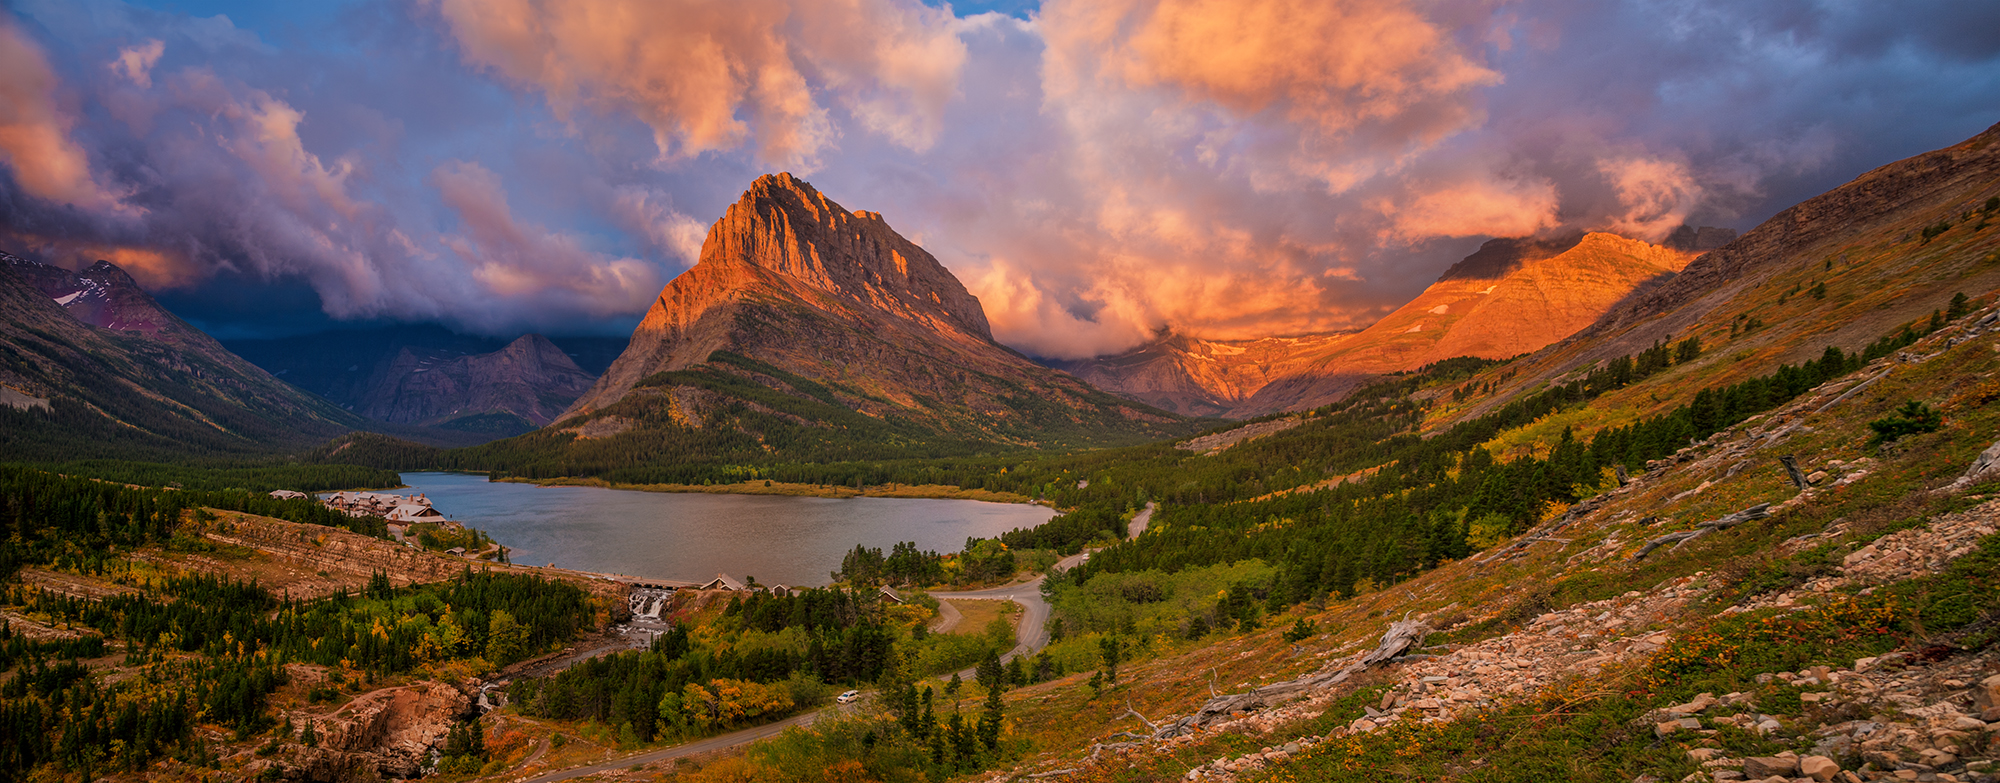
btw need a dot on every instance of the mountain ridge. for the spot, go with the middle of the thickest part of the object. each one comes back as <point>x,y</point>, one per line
<point>1510,297</point>
<point>138,379</point>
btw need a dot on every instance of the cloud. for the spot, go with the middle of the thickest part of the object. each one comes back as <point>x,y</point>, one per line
<point>709,77</point>
<point>1094,171</point>
<point>650,214</point>
<point>1657,195</point>
<point>1474,207</point>
<point>135,63</point>
<point>519,261</point>
<point>1333,67</point>
<point>35,131</point>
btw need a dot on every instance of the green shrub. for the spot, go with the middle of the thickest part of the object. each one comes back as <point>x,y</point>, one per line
<point>1914,418</point>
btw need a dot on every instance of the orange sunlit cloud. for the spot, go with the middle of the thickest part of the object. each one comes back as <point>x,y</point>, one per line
<point>708,77</point>
<point>35,131</point>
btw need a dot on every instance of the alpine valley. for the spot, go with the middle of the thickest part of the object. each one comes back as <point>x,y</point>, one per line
<point>1586,508</point>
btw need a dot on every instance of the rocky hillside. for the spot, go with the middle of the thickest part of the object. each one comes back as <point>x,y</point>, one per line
<point>1802,590</point>
<point>1513,296</point>
<point>1709,619</point>
<point>94,367</point>
<point>808,331</point>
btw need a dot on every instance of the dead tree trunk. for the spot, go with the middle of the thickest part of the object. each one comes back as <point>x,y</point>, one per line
<point>1758,511</point>
<point>1623,477</point>
<point>1791,464</point>
<point>1402,636</point>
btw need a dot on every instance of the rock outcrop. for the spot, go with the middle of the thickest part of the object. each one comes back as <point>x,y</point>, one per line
<point>389,733</point>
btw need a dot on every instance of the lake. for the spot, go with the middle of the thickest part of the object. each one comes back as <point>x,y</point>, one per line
<point>796,541</point>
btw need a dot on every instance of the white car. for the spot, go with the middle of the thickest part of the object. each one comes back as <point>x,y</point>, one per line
<point>847,697</point>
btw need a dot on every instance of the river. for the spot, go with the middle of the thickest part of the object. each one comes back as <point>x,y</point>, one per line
<point>778,539</point>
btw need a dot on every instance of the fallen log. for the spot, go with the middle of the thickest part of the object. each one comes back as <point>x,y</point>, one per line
<point>1758,511</point>
<point>1402,636</point>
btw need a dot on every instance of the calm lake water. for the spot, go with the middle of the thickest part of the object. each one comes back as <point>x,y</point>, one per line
<point>780,540</point>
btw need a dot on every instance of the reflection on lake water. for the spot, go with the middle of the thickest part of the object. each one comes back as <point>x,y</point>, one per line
<point>777,539</point>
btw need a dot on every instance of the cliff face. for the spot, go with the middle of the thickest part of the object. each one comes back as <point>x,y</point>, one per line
<point>1511,297</point>
<point>792,284</point>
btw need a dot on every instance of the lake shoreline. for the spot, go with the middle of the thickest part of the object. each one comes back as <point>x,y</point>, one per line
<point>917,491</point>
<point>784,534</point>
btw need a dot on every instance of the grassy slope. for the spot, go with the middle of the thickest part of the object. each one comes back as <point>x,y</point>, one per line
<point>1475,601</point>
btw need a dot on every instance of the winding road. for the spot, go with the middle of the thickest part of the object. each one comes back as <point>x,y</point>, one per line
<point>1029,638</point>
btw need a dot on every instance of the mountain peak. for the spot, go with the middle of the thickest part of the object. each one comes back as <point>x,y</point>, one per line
<point>783,225</point>
<point>834,311</point>
<point>102,295</point>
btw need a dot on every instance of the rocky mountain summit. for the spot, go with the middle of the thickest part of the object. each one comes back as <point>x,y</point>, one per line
<point>103,296</point>
<point>812,305</point>
<point>1513,296</point>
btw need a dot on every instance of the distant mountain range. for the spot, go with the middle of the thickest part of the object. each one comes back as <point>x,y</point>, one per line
<point>429,376</point>
<point>1511,297</point>
<point>91,366</point>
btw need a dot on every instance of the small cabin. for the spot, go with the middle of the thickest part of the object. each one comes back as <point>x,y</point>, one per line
<point>288,494</point>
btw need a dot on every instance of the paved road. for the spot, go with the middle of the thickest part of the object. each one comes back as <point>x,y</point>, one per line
<point>1030,638</point>
<point>1140,520</point>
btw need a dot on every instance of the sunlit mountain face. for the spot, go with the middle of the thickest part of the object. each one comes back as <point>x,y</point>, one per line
<point>1095,172</point>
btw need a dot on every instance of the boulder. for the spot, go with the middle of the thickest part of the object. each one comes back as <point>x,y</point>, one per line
<point>1761,767</point>
<point>1819,768</point>
<point>1986,695</point>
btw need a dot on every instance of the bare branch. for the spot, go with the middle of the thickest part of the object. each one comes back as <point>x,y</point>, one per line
<point>1680,538</point>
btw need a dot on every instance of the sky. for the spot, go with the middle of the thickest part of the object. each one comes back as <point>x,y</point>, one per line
<point>1094,171</point>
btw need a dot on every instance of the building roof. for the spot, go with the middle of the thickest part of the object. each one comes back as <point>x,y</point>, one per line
<point>413,511</point>
<point>722,582</point>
